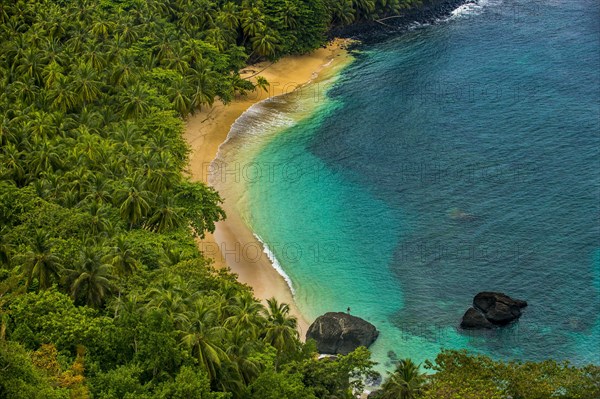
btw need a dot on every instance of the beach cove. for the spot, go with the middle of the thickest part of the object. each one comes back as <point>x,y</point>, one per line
<point>233,245</point>
<point>434,180</point>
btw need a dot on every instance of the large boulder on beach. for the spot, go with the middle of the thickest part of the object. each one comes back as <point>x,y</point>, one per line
<point>492,309</point>
<point>341,333</point>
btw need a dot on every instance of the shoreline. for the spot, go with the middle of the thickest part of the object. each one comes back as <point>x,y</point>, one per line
<point>233,245</point>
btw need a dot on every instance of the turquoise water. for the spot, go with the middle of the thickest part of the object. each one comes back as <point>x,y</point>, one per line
<point>456,158</point>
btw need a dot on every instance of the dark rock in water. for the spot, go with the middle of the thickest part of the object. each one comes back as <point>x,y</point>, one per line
<point>474,319</point>
<point>427,12</point>
<point>392,356</point>
<point>341,333</point>
<point>497,307</point>
<point>492,308</point>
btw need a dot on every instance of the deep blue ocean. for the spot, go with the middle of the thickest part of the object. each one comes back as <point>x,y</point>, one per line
<point>458,157</point>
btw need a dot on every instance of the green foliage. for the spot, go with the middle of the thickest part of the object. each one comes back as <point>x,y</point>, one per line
<point>339,378</point>
<point>98,220</point>
<point>406,382</point>
<point>461,375</point>
<point>20,379</point>
<point>52,317</point>
<point>188,384</point>
<point>280,385</point>
<point>120,382</point>
<point>199,207</point>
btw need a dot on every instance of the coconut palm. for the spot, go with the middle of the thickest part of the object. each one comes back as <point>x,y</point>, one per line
<point>43,157</point>
<point>265,43</point>
<point>134,101</point>
<point>171,300</point>
<point>5,247</point>
<point>203,84</point>
<point>167,215</point>
<point>97,189</point>
<point>281,328</point>
<point>62,95</point>
<point>246,315</point>
<point>86,85</point>
<point>134,200</point>
<point>252,22</point>
<point>13,164</point>
<point>343,12</point>
<point>122,257</point>
<point>202,335</point>
<point>240,348</point>
<point>179,95</point>
<point>406,382</point>
<point>92,280</point>
<point>100,222</point>
<point>30,65</point>
<point>40,262</point>
<point>40,125</point>
<point>227,17</point>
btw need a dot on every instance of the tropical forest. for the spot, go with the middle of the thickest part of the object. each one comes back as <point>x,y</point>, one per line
<point>103,290</point>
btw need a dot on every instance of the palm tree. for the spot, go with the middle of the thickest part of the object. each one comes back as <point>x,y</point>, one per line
<point>40,125</point>
<point>227,17</point>
<point>62,96</point>
<point>240,349</point>
<point>265,43</point>
<point>100,221</point>
<point>203,337</point>
<point>13,163</point>
<point>167,216</point>
<point>262,83</point>
<point>123,72</point>
<point>128,136</point>
<point>95,55</point>
<point>404,383</point>
<point>134,200</point>
<point>30,65</point>
<point>290,14</point>
<point>40,263</point>
<point>203,82</point>
<point>92,280</point>
<point>246,315</point>
<point>5,247</point>
<point>122,257</point>
<point>170,298</point>
<point>134,101</point>
<point>101,29</point>
<point>85,84</point>
<point>343,12</point>
<point>363,8</point>
<point>252,22</point>
<point>43,157</point>
<point>179,95</point>
<point>281,328</point>
<point>97,189</point>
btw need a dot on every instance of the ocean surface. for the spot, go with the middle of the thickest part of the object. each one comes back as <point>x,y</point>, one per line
<point>458,157</point>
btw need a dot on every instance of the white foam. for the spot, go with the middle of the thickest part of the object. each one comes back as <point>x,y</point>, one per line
<point>276,265</point>
<point>471,8</point>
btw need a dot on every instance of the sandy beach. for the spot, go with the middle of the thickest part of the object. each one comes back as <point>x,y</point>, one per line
<point>233,245</point>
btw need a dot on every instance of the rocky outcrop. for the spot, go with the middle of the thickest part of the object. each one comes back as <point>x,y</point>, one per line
<point>341,333</point>
<point>492,309</point>
<point>474,319</point>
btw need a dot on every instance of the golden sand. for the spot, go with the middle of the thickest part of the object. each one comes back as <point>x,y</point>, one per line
<point>206,130</point>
